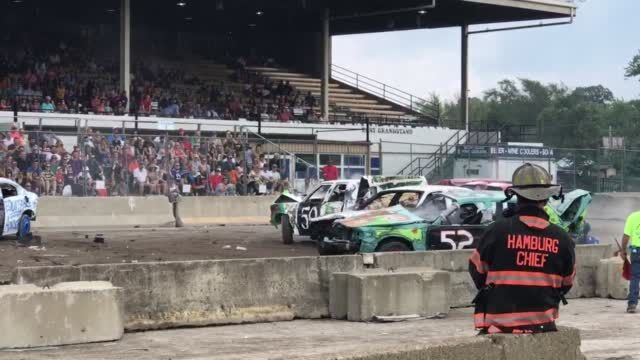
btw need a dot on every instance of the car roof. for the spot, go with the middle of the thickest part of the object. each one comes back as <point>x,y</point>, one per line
<point>331,182</point>
<point>477,196</point>
<point>10,182</point>
<point>426,188</point>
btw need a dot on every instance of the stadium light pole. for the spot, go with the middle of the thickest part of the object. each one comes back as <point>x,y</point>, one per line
<point>326,64</point>
<point>464,77</point>
<point>125,49</point>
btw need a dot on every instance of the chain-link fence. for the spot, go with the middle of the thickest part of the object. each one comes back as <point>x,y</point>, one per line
<point>599,170</point>
<point>94,163</point>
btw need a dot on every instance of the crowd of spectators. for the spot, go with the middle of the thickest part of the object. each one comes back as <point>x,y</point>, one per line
<point>63,78</point>
<point>117,164</point>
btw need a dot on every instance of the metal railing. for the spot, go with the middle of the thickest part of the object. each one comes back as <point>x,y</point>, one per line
<point>434,162</point>
<point>413,103</point>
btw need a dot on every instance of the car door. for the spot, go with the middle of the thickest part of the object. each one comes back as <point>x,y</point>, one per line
<point>310,207</point>
<point>462,228</point>
<point>13,204</point>
<point>335,201</point>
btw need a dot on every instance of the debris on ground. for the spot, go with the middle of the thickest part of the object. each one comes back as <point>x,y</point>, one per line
<point>438,316</point>
<point>37,248</point>
<point>227,247</point>
<point>99,238</point>
<point>241,248</point>
<point>397,318</point>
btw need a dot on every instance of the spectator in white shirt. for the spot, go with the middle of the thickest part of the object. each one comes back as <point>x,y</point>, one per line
<point>141,178</point>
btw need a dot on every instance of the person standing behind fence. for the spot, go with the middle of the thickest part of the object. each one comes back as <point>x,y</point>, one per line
<point>330,171</point>
<point>631,241</point>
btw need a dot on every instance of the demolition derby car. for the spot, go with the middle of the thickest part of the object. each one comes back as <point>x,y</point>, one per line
<point>413,198</point>
<point>294,214</point>
<point>19,209</point>
<point>450,220</point>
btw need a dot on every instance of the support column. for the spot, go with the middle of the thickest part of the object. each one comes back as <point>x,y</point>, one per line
<point>125,49</point>
<point>464,78</point>
<point>326,66</point>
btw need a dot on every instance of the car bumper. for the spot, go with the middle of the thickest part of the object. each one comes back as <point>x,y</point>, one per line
<point>341,246</point>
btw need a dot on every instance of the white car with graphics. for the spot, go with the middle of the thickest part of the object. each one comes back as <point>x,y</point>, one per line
<point>295,215</point>
<point>18,209</point>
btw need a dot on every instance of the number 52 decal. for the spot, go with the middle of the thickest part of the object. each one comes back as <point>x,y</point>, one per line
<point>467,238</point>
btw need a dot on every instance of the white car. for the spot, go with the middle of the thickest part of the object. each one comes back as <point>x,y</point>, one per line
<point>18,207</point>
<point>295,215</point>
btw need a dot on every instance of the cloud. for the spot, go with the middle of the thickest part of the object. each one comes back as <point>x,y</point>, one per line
<point>593,50</point>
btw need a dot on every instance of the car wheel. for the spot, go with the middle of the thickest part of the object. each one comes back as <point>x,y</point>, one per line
<point>287,230</point>
<point>24,228</point>
<point>393,245</point>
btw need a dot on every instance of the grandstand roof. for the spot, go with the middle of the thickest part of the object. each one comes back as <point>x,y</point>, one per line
<point>349,17</point>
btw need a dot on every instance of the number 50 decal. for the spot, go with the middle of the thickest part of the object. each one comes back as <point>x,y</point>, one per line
<point>445,238</point>
<point>311,213</point>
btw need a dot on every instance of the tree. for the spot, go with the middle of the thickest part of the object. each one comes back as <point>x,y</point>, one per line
<point>597,94</point>
<point>431,104</point>
<point>633,69</point>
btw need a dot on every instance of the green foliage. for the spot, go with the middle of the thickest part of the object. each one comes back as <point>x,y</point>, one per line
<point>528,110</point>
<point>633,69</point>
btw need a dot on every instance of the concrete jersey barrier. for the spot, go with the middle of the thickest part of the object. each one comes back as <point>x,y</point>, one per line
<point>201,210</point>
<point>67,212</point>
<point>195,293</point>
<point>192,293</point>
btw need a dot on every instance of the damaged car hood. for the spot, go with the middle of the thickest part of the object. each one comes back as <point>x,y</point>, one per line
<point>396,215</point>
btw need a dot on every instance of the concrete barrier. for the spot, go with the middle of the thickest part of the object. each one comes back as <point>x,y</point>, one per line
<point>587,261</point>
<point>463,289</point>
<point>225,209</point>
<point>564,344</point>
<point>609,281</point>
<point>455,261</point>
<point>360,296</point>
<point>67,313</point>
<point>67,212</point>
<point>191,293</point>
<point>194,293</point>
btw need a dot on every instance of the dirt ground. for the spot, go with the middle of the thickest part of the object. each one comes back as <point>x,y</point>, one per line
<point>607,333</point>
<point>63,247</point>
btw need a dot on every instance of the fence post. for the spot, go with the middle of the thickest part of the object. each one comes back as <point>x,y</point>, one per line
<point>380,158</point>
<point>575,186</point>
<point>411,155</point>
<point>384,91</point>
<point>622,168</point>
<point>357,81</point>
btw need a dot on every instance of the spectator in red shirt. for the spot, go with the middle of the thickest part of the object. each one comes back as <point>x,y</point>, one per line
<point>145,105</point>
<point>215,179</point>
<point>330,171</point>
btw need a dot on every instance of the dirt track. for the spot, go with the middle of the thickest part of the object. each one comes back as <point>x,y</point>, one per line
<point>158,244</point>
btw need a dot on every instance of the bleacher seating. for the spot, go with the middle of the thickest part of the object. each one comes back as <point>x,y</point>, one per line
<point>340,96</point>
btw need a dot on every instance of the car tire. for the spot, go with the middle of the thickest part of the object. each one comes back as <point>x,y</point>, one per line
<point>287,230</point>
<point>24,228</point>
<point>393,245</point>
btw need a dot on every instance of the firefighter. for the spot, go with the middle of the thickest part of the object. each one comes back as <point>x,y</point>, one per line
<point>524,265</point>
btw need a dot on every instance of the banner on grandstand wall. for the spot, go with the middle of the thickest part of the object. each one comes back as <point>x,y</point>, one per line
<point>504,151</point>
<point>389,130</point>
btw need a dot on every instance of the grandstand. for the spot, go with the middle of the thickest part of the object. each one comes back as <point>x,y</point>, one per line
<point>149,68</point>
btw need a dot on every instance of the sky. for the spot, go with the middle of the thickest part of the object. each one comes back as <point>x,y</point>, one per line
<point>593,50</point>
